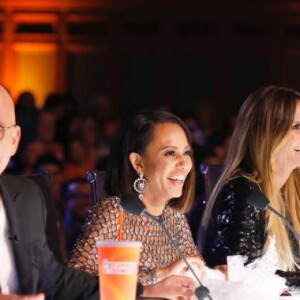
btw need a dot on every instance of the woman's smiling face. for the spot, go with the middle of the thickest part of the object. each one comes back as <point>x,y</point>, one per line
<point>166,163</point>
<point>288,157</point>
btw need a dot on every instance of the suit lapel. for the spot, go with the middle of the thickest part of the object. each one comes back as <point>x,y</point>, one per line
<point>13,202</point>
<point>10,198</point>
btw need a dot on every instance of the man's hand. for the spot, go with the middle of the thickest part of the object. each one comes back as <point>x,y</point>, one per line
<point>22,297</point>
<point>171,287</point>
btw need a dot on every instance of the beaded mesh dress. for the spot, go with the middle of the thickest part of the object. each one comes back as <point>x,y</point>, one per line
<point>157,251</point>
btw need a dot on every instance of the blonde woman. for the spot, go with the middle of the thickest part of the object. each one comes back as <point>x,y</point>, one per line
<point>264,151</point>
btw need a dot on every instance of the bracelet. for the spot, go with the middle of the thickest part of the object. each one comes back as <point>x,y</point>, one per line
<point>152,276</point>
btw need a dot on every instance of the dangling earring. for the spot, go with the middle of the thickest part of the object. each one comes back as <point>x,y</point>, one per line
<point>140,184</point>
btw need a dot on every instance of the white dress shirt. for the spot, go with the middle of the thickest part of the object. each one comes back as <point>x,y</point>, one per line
<point>8,274</point>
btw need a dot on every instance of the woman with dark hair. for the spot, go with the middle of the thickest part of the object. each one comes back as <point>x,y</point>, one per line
<point>152,159</point>
<point>134,138</point>
<point>264,154</point>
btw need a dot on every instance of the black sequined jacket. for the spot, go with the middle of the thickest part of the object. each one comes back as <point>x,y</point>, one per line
<point>235,227</point>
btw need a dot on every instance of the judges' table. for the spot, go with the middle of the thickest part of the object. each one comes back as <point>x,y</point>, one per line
<point>294,295</point>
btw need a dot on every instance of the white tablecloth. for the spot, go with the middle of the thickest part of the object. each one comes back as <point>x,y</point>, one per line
<point>295,295</point>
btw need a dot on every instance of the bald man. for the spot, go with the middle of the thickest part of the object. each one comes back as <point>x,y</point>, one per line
<point>27,266</point>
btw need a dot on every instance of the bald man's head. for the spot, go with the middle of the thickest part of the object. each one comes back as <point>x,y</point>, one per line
<point>7,112</point>
<point>9,132</point>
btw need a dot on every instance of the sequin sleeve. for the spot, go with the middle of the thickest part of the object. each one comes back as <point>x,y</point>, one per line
<point>235,227</point>
<point>101,224</point>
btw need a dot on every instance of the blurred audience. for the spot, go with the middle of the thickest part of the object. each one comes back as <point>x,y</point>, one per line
<point>108,131</point>
<point>77,194</point>
<point>90,137</point>
<point>50,165</point>
<point>26,115</point>
<point>45,133</point>
<point>64,142</point>
<point>206,117</point>
<point>28,156</point>
<point>102,109</point>
<point>64,107</point>
<point>78,161</point>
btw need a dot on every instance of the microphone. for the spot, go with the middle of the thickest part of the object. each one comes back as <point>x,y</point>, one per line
<point>259,200</point>
<point>204,171</point>
<point>133,205</point>
<point>91,178</point>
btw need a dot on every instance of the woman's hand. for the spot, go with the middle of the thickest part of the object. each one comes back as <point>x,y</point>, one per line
<point>223,269</point>
<point>180,268</point>
<point>22,297</point>
<point>173,287</point>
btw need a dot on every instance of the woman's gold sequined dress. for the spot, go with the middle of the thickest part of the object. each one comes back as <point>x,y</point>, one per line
<point>157,251</point>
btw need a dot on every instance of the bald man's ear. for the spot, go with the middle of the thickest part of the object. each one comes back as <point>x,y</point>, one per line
<point>136,161</point>
<point>15,138</point>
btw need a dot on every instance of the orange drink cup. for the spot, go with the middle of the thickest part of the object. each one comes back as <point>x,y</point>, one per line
<point>118,269</point>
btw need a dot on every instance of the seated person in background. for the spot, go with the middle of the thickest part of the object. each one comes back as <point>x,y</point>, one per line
<point>264,153</point>
<point>77,194</point>
<point>45,133</point>
<point>27,264</point>
<point>77,161</point>
<point>51,166</point>
<point>151,158</point>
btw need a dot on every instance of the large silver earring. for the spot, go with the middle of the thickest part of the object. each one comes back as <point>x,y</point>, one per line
<point>140,184</point>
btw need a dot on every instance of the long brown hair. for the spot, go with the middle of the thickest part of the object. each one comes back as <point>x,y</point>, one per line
<point>262,124</point>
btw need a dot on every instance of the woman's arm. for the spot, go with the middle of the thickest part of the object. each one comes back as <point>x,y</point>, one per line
<point>180,232</point>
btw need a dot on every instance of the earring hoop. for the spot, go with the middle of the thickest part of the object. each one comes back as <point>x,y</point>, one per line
<point>140,184</point>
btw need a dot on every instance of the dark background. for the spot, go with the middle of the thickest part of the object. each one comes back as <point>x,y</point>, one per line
<point>159,53</point>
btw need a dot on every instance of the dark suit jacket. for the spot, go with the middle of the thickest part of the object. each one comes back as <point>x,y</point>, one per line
<point>37,269</point>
